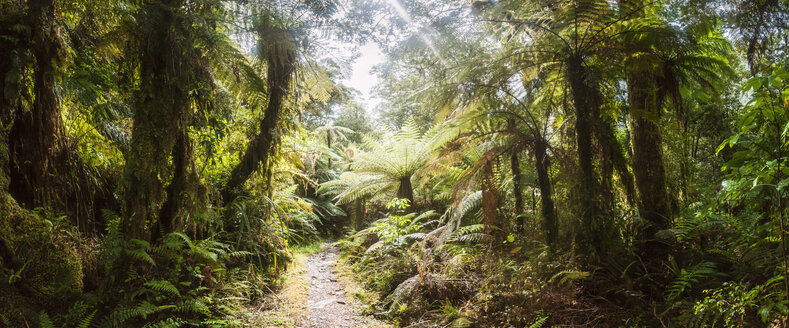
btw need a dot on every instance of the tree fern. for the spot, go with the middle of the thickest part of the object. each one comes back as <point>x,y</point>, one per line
<point>386,165</point>
<point>471,233</point>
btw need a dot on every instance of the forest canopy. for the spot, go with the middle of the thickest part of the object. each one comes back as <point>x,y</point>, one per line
<point>527,163</point>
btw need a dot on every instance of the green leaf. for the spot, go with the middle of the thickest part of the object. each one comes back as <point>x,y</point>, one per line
<point>753,84</point>
<point>747,119</point>
<point>785,131</point>
<point>764,312</point>
<point>769,114</point>
<point>721,146</point>
<point>782,184</point>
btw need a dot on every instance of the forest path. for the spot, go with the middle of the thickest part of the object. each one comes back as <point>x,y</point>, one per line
<point>315,295</point>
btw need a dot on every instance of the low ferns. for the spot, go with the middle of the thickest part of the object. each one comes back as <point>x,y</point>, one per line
<point>397,229</point>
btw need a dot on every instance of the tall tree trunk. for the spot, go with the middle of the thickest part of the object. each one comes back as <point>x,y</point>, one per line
<point>183,189</point>
<point>37,136</point>
<point>586,100</point>
<point>542,165</point>
<point>517,189</point>
<point>490,200</point>
<point>159,115</point>
<point>280,53</point>
<point>648,167</point>
<point>615,160</point>
<point>12,89</point>
<point>328,146</point>
<point>357,214</point>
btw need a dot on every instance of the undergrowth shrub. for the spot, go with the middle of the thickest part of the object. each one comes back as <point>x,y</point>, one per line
<point>462,282</point>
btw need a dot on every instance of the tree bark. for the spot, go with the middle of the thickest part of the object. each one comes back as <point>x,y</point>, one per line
<point>517,189</point>
<point>615,160</point>
<point>37,136</point>
<point>357,214</point>
<point>182,191</point>
<point>406,190</point>
<point>586,100</point>
<point>648,167</point>
<point>280,53</point>
<point>542,166</point>
<point>490,200</point>
<point>159,115</point>
<point>12,89</point>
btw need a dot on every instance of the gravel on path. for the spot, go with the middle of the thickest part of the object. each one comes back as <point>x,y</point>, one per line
<point>327,305</point>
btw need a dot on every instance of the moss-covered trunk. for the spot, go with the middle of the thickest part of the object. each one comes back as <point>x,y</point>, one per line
<point>183,191</point>
<point>648,168</point>
<point>279,49</point>
<point>12,87</point>
<point>586,100</point>
<point>159,115</point>
<point>37,136</point>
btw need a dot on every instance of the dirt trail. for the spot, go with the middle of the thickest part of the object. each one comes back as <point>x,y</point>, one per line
<point>326,299</point>
<point>315,295</point>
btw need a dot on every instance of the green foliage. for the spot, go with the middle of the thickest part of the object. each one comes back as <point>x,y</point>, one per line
<point>386,164</point>
<point>685,279</point>
<point>525,110</point>
<point>737,305</point>
<point>540,322</point>
<point>399,230</point>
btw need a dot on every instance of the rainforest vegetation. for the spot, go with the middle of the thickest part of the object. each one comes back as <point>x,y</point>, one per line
<point>531,163</point>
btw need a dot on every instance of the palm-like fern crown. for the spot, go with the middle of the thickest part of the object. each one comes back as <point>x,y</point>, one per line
<point>386,163</point>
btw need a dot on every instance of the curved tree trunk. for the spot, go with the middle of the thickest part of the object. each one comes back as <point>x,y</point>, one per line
<point>280,53</point>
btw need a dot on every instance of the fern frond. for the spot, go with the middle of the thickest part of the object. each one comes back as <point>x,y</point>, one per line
<point>193,306</point>
<point>45,321</point>
<point>163,286</point>
<point>141,255</point>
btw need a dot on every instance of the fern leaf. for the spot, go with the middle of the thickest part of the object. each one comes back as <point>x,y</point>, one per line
<point>163,286</point>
